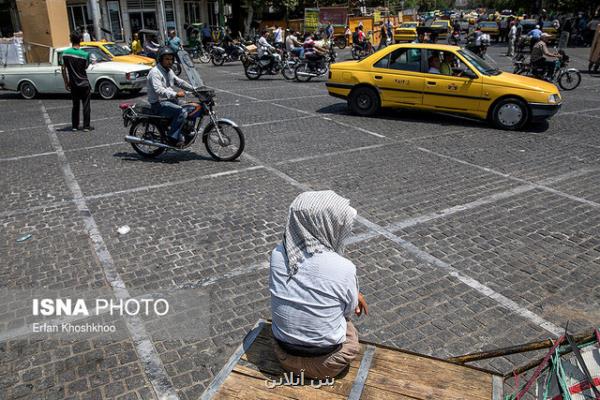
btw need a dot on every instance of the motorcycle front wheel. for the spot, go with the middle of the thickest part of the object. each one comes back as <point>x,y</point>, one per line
<point>252,71</point>
<point>226,147</point>
<point>176,68</point>
<point>218,59</point>
<point>148,130</point>
<point>288,71</point>
<point>341,44</point>
<point>569,80</point>
<point>204,57</point>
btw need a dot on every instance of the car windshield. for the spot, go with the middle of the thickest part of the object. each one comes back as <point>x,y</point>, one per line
<point>548,24</point>
<point>116,50</point>
<point>488,25</point>
<point>439,24</point>
<point>408,25</point>
<point>482,65</point>
<point>96,55</point>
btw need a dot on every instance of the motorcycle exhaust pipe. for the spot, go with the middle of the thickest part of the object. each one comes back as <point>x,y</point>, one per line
<point>307,74</point>
<point>137,140</point>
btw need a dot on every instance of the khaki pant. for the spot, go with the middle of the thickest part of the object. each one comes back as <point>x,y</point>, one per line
<point>322,366</point>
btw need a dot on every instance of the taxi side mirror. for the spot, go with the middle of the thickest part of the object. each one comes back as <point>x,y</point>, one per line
<point>467,73</point>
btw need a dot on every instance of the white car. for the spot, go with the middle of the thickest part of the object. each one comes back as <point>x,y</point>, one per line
<point>107,78</point>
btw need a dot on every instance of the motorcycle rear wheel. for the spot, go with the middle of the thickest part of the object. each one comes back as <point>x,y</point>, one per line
<point>569,80</point>
<point>302,72</point>
<point>233,140</point>
<point>341,44</point>
<point>147,130</point>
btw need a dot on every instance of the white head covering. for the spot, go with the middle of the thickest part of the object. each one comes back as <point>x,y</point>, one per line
<point>317,221</point>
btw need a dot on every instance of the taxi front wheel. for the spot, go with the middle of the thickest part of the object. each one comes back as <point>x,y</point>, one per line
<point>364,101</point>
<point>510,114</point>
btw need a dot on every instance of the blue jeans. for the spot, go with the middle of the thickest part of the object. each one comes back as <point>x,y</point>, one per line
<point>175,114</point>
<point>299,51</point>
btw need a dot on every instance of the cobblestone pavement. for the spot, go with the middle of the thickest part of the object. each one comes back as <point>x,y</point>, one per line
<point>468,238</point>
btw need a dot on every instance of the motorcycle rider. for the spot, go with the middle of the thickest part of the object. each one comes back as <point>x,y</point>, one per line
<point>163,98</point>
<point>229,45</point>
<point>540,52</point>
<point>265,50</point>
<point>293,46</point>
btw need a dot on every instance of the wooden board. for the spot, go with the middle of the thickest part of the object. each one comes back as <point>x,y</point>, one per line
<point>378,373</point>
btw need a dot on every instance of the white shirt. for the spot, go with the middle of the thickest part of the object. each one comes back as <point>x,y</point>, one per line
<point>289,42</point>
<point>263,46</point>
<point>86,37</point>
<point>513,32</point>
<point>311,308</point>
<point>278,36</point>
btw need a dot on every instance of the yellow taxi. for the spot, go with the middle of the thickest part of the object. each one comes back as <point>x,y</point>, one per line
<point>444,78</point>
<point>444,27</point>
<point>118,53</point>
<point>491,28</point>
<point>406,32</point>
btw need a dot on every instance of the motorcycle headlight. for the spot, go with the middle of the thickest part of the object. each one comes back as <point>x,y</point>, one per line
<point>554,99</point>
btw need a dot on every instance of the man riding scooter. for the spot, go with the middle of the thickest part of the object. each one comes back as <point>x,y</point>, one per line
<point>265,50</point>
<point>163,98</point>
<point>540,52</point>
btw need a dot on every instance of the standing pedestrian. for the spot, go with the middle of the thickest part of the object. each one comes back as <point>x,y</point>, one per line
<point>512,37</point>
<point>278,37</point>
<point>86,35</point>
<point>74,66</point>
<point>136,44</point>
<point>383,39</point>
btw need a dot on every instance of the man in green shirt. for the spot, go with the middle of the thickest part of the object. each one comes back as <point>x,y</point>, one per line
<point>74,65</point>
<point>446,66</point>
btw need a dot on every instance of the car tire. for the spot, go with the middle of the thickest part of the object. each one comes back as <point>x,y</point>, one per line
<point>27,90</point>
<point>364,101</point>
<point>510,114</point>
<point>107,90</point>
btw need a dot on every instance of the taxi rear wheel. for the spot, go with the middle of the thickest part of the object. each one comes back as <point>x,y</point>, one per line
<point>510,114</point>
<point>364,101</point>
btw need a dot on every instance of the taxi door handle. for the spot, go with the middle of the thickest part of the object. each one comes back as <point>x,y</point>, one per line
<point>378,77</point>
<point>431,83</point>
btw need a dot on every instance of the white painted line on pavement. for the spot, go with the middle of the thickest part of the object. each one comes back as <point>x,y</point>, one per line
<point>508,176</point>
<point>142,341</point>
<point>34,209</point>
<point>333,153</point>
<point>17,158</point>
<point>307,113</point>
<point>274,121</point>
<point>424,256</point>
<point>171,183</point>
<point>270,100</point>
<point>579,111</point>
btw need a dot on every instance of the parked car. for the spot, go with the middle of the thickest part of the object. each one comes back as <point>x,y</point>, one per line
<point>107,78</point>
<point>406,32</point>
<point>116,52</point>
<point>400,76</point>
<point>549,28</point>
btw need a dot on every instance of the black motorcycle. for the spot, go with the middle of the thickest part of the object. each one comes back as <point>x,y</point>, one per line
<point>314,65</point>
<point>223,138</point>
<point>255,67</point>
<point>220,56</point>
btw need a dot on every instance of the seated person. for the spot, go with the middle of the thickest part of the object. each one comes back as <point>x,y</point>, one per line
<point>314,290</point>
<point>265,50</point>
<point>434,64</point>
<point>446,68</point>
<point>311,49</point>
<point>293,46</point>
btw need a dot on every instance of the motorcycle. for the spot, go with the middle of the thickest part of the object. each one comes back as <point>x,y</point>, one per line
<point>480,49</point>
<point>223,138</point>
<point>220,56</point>
<point>315,65</point>
<point>567,78</point>
<point>455,38</point>
<point>290,62</point>
<point>359,52</point>
<point>201,52</point>
<point>254,67</point>
<point>340,42</point>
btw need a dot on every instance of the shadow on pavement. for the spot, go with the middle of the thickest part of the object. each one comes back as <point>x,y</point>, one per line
<point>170,157</point>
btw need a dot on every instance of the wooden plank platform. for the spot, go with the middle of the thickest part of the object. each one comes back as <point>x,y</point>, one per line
<point>378,373</point>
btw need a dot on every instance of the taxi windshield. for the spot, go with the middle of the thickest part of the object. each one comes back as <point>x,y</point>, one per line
<point>96,55</point>
<point>116,50</point>
<point>482,65</point>
<point>488,25</point>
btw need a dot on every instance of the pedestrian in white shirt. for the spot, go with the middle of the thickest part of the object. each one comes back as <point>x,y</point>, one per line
<point>512,37</point>
<point>278,37</point>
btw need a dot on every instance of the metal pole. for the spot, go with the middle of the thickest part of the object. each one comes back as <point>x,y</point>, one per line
<point>95,11</point>
<point>221,13</point>
<point>162,21</point>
